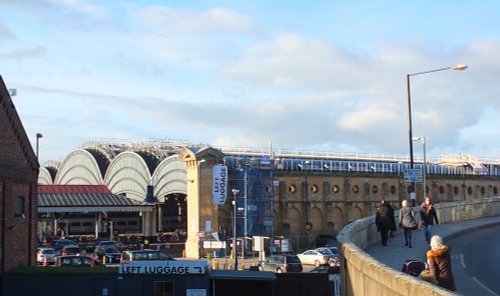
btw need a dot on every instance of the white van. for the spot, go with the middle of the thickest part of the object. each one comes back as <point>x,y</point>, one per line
<point>128,256</point>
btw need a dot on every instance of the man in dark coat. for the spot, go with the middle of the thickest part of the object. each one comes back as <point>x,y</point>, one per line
<point>384,220</point>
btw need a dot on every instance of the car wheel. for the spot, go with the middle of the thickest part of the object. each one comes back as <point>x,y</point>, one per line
<point>317,263</point>
<point>261,268</point>
<point>278,270</point>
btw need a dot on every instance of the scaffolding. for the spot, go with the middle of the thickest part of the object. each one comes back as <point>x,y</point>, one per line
<point>255,200</point>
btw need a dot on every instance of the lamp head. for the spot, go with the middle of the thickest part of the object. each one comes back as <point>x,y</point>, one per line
<point>236,191</point>
<point>39,135</point>
<point>459,67</point>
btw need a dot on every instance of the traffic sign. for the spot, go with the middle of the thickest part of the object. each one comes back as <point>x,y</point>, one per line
<point>413,172</point>
<point>413,179</point>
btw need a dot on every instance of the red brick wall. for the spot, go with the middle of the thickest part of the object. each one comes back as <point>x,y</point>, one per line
<point>19,233</point>
<point>18,178</point>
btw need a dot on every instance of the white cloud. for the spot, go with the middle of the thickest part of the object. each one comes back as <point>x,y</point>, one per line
<point>219,76</point>
<point>211,21</point>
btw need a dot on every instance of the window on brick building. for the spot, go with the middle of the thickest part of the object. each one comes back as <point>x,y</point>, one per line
<point>20,207</point>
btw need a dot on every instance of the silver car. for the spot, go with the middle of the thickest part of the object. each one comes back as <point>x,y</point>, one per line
<point>46,256</point>
<point>317,257</point>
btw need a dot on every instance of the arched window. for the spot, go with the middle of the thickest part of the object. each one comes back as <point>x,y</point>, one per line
<point>20,207</point>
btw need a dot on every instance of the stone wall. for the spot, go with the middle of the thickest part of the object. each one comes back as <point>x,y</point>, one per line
<point>363,275</point>
<point>335,199</point>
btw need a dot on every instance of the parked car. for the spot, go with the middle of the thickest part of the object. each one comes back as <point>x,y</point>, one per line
<point>111,254</point>
<point>116,244</point>
<point>75,261</point>
<point>335,260</point>
<point>70,250</point>
<point>317,257</point>
<point>46,255</point>
<point>128,256</point>
<point>58,244</point>
<point>281,263</point>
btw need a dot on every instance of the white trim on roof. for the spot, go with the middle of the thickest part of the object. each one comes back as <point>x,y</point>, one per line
<point>144,208</point>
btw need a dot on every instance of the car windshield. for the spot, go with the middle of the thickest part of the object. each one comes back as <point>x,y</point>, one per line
<point>335,251</point>
<point>110,250</point>
<point>325,252</point>
<point>75,261</point>
<point>151,256</point>
<point>108,243</point>
<point>48,251</point>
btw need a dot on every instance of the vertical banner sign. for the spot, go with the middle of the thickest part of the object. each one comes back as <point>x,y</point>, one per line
<point>219,184</point>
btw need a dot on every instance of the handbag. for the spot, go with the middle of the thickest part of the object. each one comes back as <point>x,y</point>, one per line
<point>413,225</point>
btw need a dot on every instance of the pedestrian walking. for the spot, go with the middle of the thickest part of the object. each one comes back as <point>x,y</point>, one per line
<point>384,220</point>
<point>439,262</point>
<point>393,229</point>
<point>407,221</point>
<point>428,215</point>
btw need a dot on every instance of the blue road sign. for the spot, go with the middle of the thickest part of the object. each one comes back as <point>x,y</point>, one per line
<point>413,179</point>
<point>413,172</point>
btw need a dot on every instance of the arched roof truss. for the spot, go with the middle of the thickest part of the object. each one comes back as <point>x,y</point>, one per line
<point>170,177</point>
<point>128,174</point>
<point>80,167</point>
<point>44,177</point>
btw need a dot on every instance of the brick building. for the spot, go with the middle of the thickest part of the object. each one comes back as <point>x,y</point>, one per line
<point>18,189</point>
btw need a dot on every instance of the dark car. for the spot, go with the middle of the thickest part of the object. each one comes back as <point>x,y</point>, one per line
<point>111,254</point>
<point>74,261</point>
<point>281,263</point>
<point>323,240</point>
<point>58,244</point>
<point>335,260</point>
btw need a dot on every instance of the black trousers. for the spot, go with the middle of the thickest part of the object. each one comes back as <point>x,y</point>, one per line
<point>408,235</point>
<point>384,233</point>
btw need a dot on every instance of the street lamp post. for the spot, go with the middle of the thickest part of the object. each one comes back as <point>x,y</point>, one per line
<point>410,132</point>
<point>235,249</point>
<point>306,200</point>
<point>424,165</point>
<point>38,136</point>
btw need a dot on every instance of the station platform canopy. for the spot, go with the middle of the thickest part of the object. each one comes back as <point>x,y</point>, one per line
<point>85,199</point>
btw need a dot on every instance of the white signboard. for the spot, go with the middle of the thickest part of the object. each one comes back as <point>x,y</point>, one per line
<point>285,245</point>
<point>211,244</point>
<point>165,267</point>
<point>219,184</point>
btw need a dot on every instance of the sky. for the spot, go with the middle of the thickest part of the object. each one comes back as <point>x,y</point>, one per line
<point>323,76</point>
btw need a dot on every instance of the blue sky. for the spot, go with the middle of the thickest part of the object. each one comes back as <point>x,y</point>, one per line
<point>303,75</point>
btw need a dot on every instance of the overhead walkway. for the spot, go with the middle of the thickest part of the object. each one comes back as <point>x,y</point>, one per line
<point>368,268</point>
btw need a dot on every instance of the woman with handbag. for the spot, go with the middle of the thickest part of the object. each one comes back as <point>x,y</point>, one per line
<point>407,221</point>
